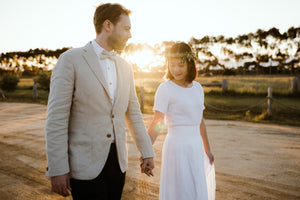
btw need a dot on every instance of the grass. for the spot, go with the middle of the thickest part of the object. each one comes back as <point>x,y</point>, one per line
<point>26,95</point>
<point>281,115</point>
<point>254,84</point>
<point>240,84</point>
<point>242,92</point>
<point>25,82</point>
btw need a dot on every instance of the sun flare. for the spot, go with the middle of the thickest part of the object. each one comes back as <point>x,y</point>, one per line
<point>145,59</point>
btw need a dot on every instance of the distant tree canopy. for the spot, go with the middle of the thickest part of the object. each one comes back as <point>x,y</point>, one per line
<point>34,52</point>
<point>262,52</point>
<point>29,63</point>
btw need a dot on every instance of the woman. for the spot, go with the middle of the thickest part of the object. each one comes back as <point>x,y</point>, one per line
<point>187,162</point>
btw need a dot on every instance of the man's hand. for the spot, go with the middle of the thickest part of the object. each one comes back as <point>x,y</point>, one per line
<point>61,184</point>
<point>147,165</point>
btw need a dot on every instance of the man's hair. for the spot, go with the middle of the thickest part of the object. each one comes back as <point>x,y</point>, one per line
<point>183,51</point>
<point>108,11</point>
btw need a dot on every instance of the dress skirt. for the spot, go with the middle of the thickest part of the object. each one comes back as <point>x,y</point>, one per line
<point>186,172</point>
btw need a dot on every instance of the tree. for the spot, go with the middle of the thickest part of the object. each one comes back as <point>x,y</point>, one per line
<point>43,81</point>
<point>9,82</point>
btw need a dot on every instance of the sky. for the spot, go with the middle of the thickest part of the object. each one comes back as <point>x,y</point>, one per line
<point>53,24</point>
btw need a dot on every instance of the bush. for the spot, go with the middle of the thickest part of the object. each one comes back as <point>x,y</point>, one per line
<point>9,82</point>
<point>228,72</point>
<point>43,81</point>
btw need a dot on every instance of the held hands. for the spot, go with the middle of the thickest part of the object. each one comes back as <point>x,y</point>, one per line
<point>147,165</point>
<point>61,184</point>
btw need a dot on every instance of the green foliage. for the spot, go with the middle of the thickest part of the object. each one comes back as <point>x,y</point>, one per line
<point>43,81</point>
<point>263,116</point>
<point>9,82</point>
<point>228,72</point>
<point>22,96</point>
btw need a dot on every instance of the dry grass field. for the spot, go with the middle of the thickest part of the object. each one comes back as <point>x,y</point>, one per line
<point>241,84</point>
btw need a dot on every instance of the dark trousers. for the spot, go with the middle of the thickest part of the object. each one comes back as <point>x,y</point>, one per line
<point>108,185</point>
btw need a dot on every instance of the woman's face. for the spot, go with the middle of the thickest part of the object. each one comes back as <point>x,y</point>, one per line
<point>178,69</point>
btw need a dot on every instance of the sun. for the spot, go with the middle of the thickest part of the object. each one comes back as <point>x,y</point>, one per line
<point>145,59</point>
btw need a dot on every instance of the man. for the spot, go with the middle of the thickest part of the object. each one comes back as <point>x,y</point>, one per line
<point>92,92</point>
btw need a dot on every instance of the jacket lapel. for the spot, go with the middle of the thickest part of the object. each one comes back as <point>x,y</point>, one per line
<point>119,81</point>
<point>92,61</point>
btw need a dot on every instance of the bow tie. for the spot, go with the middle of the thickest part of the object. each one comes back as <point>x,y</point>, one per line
<point>110,55</point>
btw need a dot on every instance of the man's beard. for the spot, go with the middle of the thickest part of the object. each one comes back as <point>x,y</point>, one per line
<point>116,43</point>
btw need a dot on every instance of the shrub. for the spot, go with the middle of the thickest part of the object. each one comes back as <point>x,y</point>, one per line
<point>43,81</point>
<point>228,72</point>
<point>9,82</point>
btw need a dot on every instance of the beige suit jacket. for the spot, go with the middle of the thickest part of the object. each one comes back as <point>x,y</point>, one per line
<point>81,118</point>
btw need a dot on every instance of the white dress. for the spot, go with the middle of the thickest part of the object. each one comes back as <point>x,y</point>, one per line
<point>186,173</point>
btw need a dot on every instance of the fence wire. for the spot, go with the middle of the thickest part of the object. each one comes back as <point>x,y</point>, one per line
<point>283,104</point>
<point>236,110</point>
<point>252,106</point>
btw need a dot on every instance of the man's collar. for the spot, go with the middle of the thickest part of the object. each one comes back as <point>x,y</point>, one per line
<point>97,48</point>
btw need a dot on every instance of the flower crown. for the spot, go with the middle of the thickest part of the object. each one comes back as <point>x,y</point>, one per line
<point>189,56</point>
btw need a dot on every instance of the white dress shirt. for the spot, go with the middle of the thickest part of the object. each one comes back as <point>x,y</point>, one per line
<point>109,70</point>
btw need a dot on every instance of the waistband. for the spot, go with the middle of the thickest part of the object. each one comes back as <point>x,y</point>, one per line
<point>184,130</point>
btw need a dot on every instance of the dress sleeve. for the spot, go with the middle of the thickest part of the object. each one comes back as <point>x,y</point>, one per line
<point>161,99</point>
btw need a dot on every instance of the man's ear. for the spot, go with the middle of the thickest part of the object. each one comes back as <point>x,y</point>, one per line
<point>107,26</point>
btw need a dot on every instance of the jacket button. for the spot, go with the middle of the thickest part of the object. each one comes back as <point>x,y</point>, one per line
<point>112,116</point>
<point>108,135</point>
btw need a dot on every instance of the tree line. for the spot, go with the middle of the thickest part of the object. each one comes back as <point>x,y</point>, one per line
<point>262,52</point>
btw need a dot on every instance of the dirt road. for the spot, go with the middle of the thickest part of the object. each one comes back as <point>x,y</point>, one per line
<point>253,161</point>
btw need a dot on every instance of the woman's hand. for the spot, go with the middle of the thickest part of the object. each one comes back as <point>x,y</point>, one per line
<point>156,125</point>
<point>210,157</point>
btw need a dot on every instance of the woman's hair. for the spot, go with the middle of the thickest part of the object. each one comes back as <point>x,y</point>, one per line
<point>183,51</point>
<point>108,11</point>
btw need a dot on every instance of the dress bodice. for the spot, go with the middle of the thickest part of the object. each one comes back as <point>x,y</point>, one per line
<point>181,106</point>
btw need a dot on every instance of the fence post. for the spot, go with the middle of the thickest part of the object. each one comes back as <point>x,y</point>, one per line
<point>142,98</point>
<point>295,85</point>
<point>269,101</point>
<point>224,85</point>
<point>2,96</point>
<point>34,90</point>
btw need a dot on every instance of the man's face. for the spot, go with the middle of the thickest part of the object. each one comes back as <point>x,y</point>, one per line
<point>120,33</point>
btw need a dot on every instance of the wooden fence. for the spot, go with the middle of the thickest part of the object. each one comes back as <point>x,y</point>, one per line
<point>224,85</point>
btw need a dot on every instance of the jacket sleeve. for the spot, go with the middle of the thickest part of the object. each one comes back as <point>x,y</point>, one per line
<point>136,124</point>
<point>58,113</point>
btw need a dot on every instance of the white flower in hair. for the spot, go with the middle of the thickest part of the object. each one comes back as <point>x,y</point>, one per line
<point>189,56</point>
